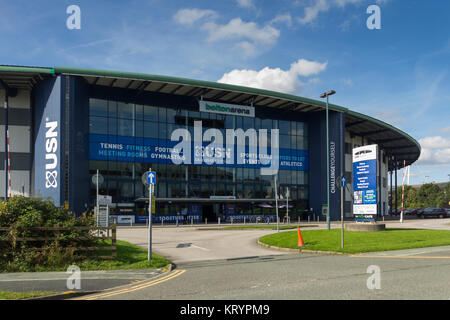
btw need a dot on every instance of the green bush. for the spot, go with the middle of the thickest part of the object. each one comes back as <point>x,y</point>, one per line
<point>21,215</point>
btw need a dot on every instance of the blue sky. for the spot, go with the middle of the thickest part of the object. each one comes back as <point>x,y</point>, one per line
<point>399,74</point>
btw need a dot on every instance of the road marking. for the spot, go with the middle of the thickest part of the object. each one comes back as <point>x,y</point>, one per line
<point>194,246</point>
<point>402,257</point>
<point>141,286</point>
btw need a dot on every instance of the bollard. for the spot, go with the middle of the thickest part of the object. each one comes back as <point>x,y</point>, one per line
<point>146,222</point>
<point>318,219</point>
<point>192,221</point>
<point>131,222</point>
<point>206,220</point>
<point>219,221</point>
<point>231,220</point>
<point>162,222</point>
<point>177,221</point>
<point>244,220</point>
<point>309,219</point>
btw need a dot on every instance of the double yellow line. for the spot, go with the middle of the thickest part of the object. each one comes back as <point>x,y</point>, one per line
<point>140,286</point>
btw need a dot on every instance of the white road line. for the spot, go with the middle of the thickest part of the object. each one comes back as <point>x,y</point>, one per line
<point>194,246</point>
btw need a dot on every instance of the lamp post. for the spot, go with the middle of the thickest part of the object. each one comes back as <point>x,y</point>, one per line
<point>326,95</point>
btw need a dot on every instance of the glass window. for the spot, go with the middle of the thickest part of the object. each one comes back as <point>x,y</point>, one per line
<point>220,190</point>
<point>266,124</point>
<point>98,107</point>
<point>139,112</point>
<point>284,127</point>
<point>162,190</point>
<point>284,142</point>
<point>125,110</point>
<point>151,130</point>
<point>173,172</point>
<point>229,122</point>
<point>139,129</point>
<point>302,143</point>
<point>171,114</point>
<point>98,125</point>
<point>293,141</point>
<point>248,123</point>
<point>125,127</point>
<point>112,108</point>
<point>194,190</point>
<point>126,190</point>
<point>112,126</point>
<point>150,113</point>
<point>125,169</point>
<point>162,114</point>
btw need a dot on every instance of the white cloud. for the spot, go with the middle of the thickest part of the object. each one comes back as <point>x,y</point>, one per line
<point>445,130</point>
<point>238,29</point>
<point>245,3</point>
<point>282,18</point>
<point>319,6</point>
<point>435,151</point>
<point>190,16</point>
<point>312,12</point>
<point>275,79</point>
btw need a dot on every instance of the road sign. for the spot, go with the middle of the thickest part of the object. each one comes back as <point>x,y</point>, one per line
<point>343,182</point>
<point>100,179</point>
<point>151,177</point>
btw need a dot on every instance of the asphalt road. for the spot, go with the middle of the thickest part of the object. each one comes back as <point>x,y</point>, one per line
<point>244,271</point>
<point>301,277</point>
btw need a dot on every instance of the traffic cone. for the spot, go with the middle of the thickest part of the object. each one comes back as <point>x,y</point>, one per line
<point>300,239</point>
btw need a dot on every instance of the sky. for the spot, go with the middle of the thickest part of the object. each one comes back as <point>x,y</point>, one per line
<point>398,73</point>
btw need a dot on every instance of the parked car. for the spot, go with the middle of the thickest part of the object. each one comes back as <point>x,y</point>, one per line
<point>411,212</point>
<point>433,212</point>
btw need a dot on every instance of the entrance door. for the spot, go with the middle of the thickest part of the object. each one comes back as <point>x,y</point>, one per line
<point>208,213</point>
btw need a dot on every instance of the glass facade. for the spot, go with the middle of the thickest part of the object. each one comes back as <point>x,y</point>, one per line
<point>112,122</point>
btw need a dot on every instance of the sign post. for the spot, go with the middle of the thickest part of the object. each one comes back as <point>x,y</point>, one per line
<point>343,183</point>
<point>276,202</point>
<point>97,179</point>
<point>151,181</point>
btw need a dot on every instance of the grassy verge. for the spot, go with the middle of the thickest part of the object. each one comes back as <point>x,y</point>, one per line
<point>358,242</point>
<point>129,256</point>
<point>7,295</point>
<point>268,227</point>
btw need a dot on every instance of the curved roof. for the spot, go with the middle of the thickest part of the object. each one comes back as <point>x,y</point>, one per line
<point>394,141</point>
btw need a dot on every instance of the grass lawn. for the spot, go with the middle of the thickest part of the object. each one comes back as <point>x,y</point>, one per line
<point>268,227</point>
<point>357,242</point>
<point>129,256</point>
<point>7,295</point>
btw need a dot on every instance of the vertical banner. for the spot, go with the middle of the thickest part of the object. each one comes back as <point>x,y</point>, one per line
<point>48,156</point>
<point>365,160</point>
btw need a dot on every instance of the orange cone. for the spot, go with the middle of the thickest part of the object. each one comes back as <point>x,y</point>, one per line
<point>300,239</point>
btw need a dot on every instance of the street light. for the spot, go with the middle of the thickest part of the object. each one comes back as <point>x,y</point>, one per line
<point>326,95</point>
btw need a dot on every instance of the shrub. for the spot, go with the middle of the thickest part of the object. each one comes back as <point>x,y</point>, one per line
<point>54,248</point>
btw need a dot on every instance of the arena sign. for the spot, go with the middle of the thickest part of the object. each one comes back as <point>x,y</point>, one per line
<point>365,182</point>
<point>227,109</point>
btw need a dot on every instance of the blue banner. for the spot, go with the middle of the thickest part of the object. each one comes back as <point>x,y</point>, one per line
<point>148,150</point>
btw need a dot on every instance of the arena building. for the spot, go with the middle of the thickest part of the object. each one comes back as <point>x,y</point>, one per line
<point>60,125</point>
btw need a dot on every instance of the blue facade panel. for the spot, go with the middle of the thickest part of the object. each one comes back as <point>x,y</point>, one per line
<point>48,140</point>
